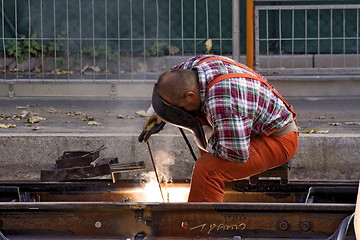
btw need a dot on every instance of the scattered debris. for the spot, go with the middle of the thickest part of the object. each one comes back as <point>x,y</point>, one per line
<point>95,69</point>
<point>36,128</point>
<point>335,124</point>
<point>141,113</point>
<point>25,114</point>
<point>74,113</point>
<point>84,68</point>
<point>173,50</point>
<point>125,116</point>
<point>88,119</point>
<point>323,131</point>
<point>51,110</point>
<point>352,123</point>
<point>10,117</point>
<point>94,123</point>
<point>316,131</point>
<point>31,117</point>
<point>26,107</point>
<point>310,131</point>
<point>35,119</point>
<point>58,72</point>
<point>208,45</point>
<point>322,117</point>
<point>7,125</point>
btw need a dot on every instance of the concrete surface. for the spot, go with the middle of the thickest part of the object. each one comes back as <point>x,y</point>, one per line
<point>338,86</point>
<point>330,152</point>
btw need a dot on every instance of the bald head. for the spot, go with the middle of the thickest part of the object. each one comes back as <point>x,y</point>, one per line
<point>174,85</point>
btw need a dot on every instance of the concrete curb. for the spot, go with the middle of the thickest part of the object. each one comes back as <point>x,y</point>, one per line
<point>23,155</point>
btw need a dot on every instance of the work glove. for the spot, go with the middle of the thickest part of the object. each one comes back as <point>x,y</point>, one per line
<point>151,119</point>
<point>153,124</point>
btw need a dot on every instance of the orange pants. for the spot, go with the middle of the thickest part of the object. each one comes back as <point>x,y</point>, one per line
<point>210,172</point>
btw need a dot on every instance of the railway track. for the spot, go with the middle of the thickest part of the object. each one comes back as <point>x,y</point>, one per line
<point>101,209</point>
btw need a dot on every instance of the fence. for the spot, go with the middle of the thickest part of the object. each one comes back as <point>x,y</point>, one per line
<point>107,40</point>
<point>307,39</point>
<point>117,40</point>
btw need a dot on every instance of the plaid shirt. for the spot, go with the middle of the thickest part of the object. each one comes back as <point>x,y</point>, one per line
<point>236,108</point>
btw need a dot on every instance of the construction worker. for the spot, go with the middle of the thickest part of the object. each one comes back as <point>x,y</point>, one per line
<point>248,126</point>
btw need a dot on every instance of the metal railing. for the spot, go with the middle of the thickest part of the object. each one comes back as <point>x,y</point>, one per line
<point>135,40</point>
<point>107,40</point>
<point>307,39</point>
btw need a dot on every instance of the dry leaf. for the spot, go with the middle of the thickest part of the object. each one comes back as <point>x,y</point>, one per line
<point>55,71</point>
<point>33,119</point>
<point>322,117</point>
<point>23,107</point>
<point>141,113</point>
<point>125,116</point>
<point>310,131</point>
<point>323,131</point>
<point>7,125</point>
<point>335,124</point>
<point>208,45</point>
<point>87,119</point>
<point>352,123</point>
<point>64,72</point>
<point>173,50</point>
<point>94,123</point>
<point>36,128</point>
<point>51,110</point>
<point>95,69</point>
<point>37,69</point>
<point>26,114</point>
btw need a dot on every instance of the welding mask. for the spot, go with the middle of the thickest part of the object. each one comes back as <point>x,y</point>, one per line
<point>179,117</point>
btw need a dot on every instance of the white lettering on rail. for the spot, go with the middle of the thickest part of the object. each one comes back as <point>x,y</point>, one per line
<point>209,228</point>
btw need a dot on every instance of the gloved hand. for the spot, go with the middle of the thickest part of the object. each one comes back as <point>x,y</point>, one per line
<point>151,116</point>
<point>153,124</point>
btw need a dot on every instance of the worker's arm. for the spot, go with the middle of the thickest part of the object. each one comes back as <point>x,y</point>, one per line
<point>231,140</point>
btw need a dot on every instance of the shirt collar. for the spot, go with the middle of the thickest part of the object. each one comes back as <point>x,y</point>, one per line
<point>202,85</point>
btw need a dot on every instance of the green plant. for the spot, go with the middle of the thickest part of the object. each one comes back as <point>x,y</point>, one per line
<point>23,47</point>
<point>161,49</point>
<point>60,60</point>
<point>59,45</point>
<point>95,51</point>
<point>157,49</point>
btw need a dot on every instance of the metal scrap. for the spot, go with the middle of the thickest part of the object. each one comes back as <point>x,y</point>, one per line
<point>74,165</point>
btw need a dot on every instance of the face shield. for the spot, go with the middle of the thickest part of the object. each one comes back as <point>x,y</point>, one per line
<point>179,117</point>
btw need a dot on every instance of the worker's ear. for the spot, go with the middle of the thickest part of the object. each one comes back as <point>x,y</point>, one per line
<point>190,94</point>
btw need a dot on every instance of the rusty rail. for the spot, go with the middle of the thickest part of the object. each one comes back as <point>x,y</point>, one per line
<point>104,210</point>
<point>173,220</point>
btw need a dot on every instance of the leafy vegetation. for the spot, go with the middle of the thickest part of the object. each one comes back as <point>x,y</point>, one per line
<point>161,49</point>
<point>23,48</point>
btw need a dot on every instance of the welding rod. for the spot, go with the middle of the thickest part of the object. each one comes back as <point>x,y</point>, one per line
<point>157,177</point>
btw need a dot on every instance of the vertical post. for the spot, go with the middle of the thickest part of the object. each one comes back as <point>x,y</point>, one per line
<point>250,33</point>
<point>236,30</point>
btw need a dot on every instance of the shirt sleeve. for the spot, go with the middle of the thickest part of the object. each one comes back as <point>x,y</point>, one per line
<point>231,139</point>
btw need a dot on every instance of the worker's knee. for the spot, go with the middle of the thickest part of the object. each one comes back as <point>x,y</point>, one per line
<point>207,164</point>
